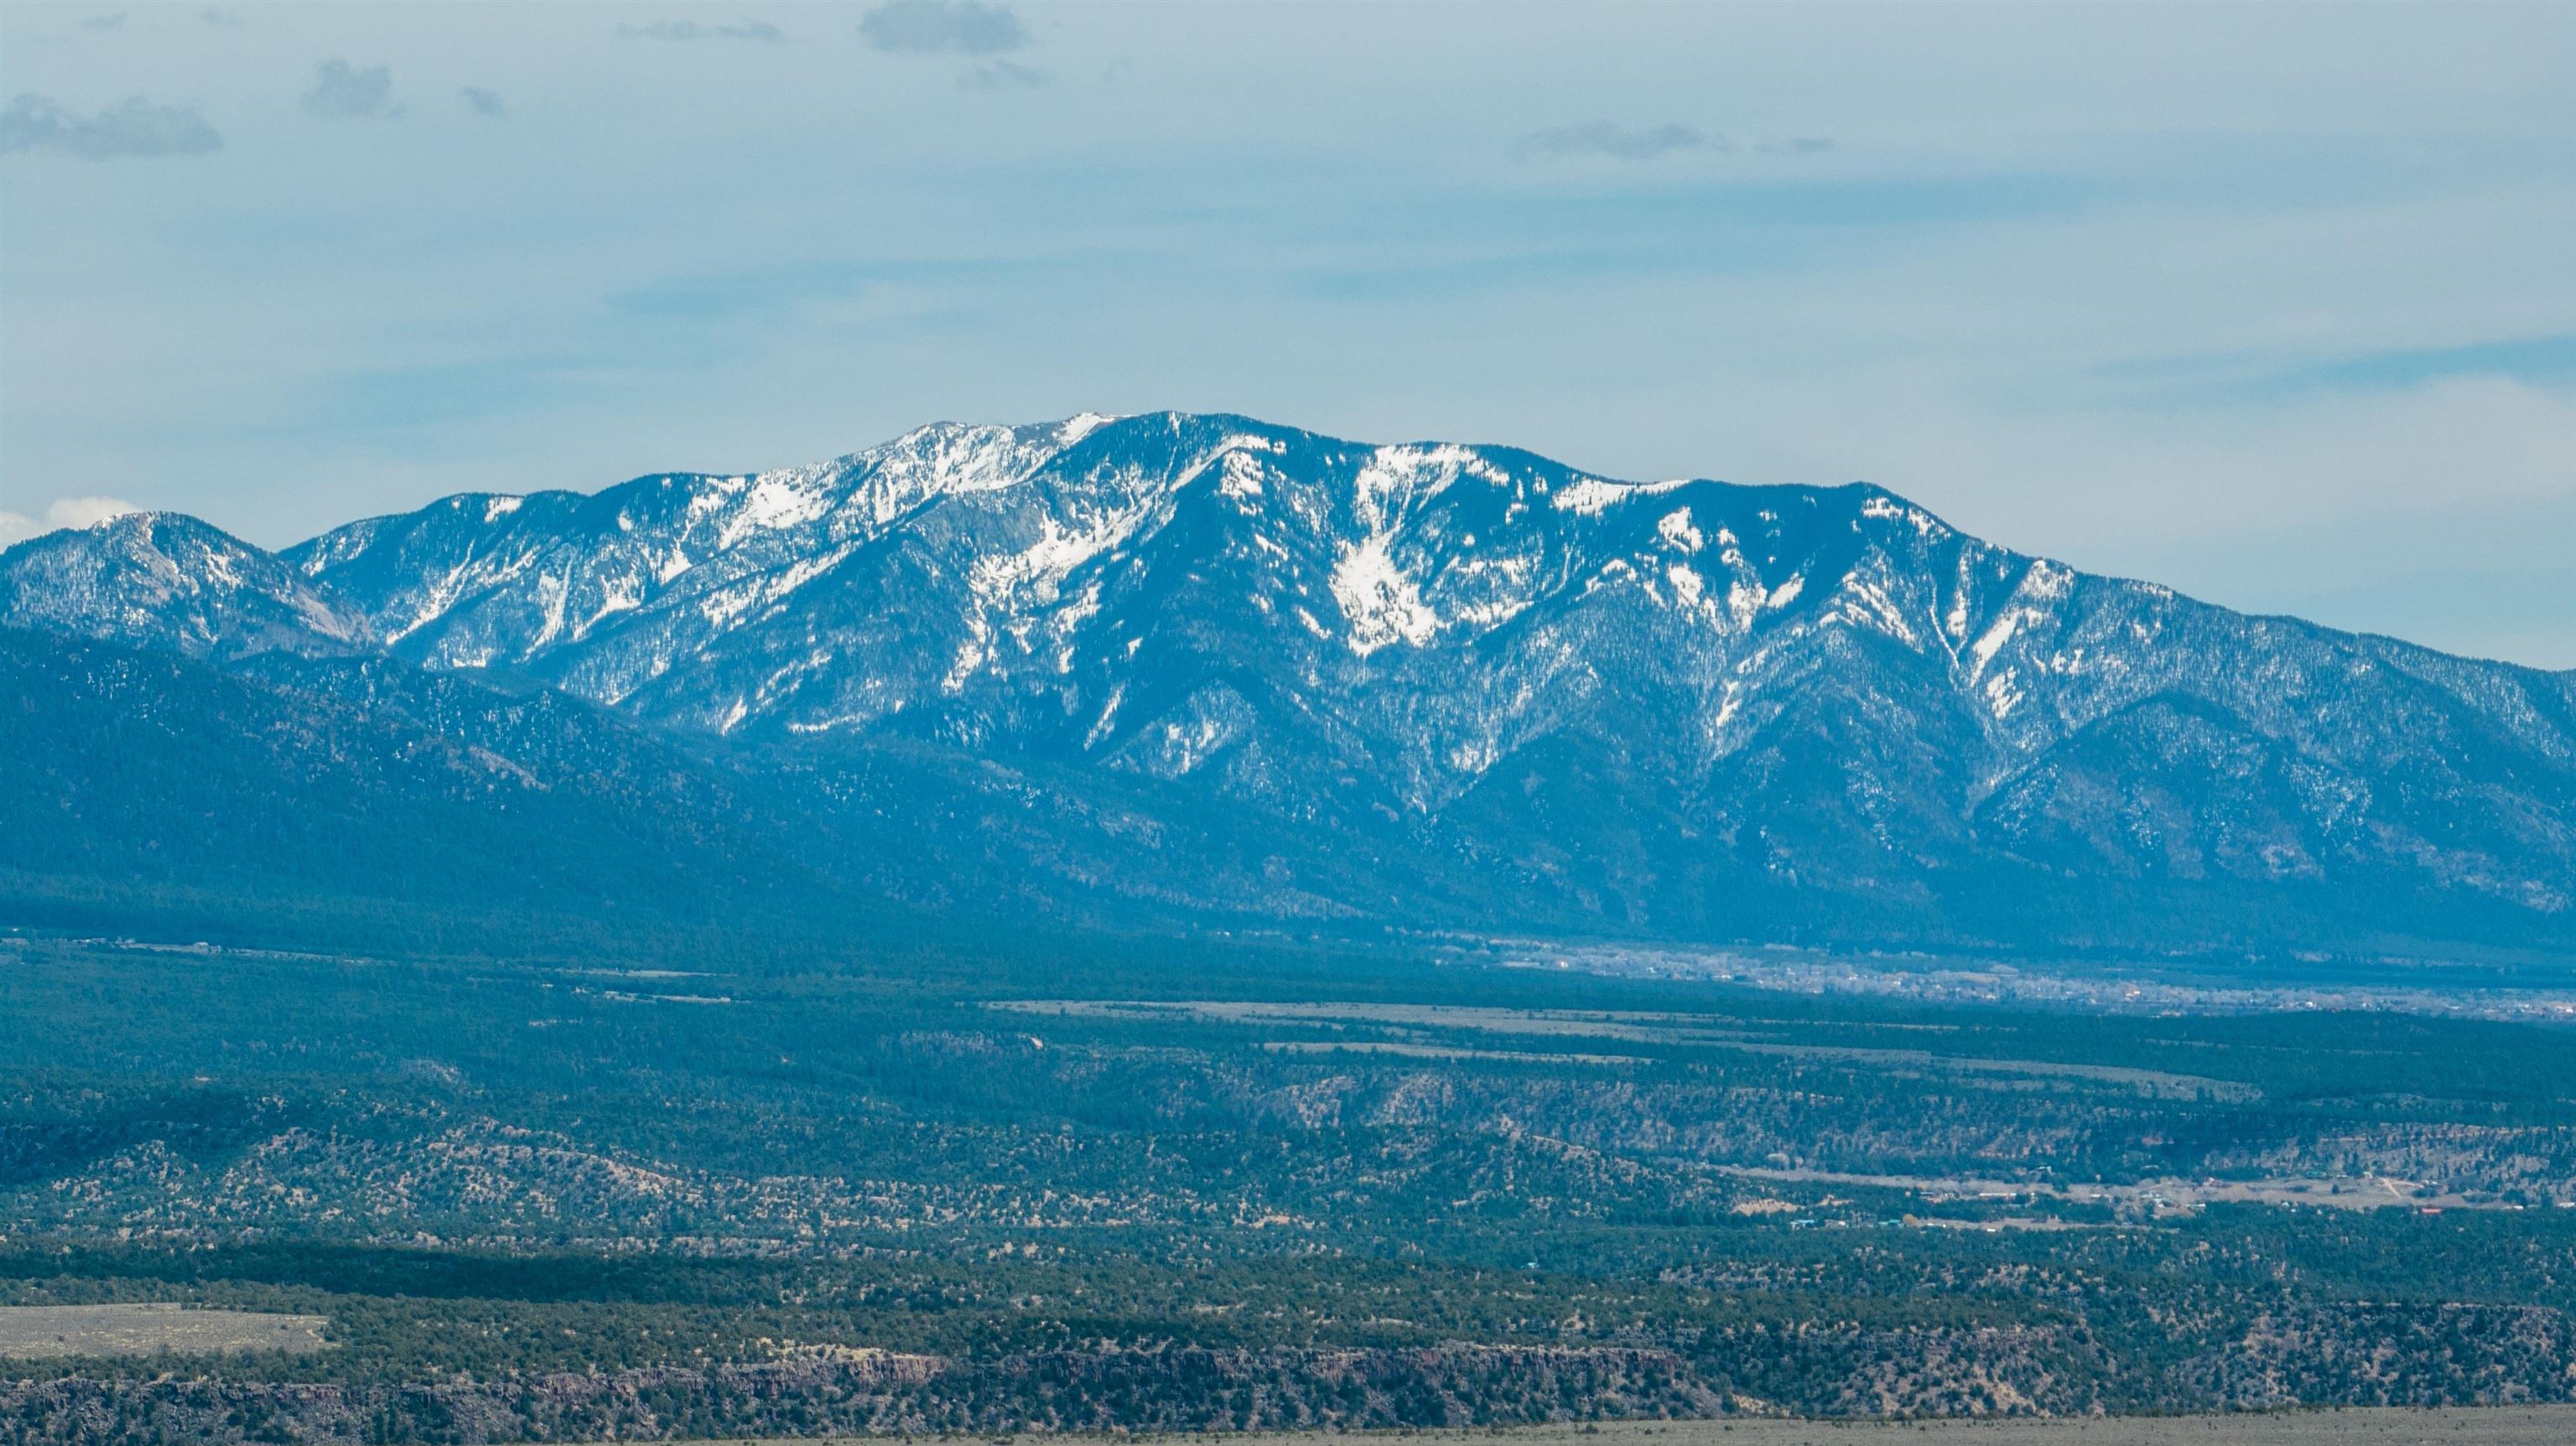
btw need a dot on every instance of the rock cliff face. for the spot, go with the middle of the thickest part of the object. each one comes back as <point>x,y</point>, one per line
<point>1449,684</point>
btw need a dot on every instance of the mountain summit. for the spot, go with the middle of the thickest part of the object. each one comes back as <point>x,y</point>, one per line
<point>1206,665</point>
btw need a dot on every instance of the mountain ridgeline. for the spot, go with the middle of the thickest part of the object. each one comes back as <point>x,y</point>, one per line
<point>1174,670</point>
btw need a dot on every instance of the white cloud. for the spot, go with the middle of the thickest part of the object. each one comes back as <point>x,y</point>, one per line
<point>16,527</point>
<point>86,511</point>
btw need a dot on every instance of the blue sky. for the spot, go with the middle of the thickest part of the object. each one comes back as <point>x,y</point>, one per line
<point>2273,303</point>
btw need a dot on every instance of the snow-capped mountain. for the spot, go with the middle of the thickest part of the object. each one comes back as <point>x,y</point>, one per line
<point>1474,682</point>
<point>169,581</point>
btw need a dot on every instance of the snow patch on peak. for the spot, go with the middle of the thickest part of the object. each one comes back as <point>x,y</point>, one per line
<point>952,458</point>
<point>1381,604</point>
<point>1081,425</point>
<point>775,501</point>
<point>1863,601</point>
<point>218,566</point>
<point>2003,694</point>
<point>1591,496</point>
<point>1677,530</point>
<point>1996,635</point>
<point>1885,508</point>
<point>1393,476</point>
<point>1044,564</point>
<point>711,495</point>
<point>2048,581</point>
<point>1240,479</point>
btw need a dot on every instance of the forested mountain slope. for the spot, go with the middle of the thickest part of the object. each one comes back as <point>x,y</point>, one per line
<point>1201,666</point>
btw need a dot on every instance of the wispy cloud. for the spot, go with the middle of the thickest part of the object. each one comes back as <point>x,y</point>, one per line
<point>484,102</point>
<point>351,92</point>
<point>926,27</point>
<point>1004,74</point>
<point>65,512</point>
<point>133,127</point>
<point>1607,140</point>
<point>1612,141</point>
<point>103,22</point>
<point>692,30</point>
<point>220,17</point>
<point>2266,378</point>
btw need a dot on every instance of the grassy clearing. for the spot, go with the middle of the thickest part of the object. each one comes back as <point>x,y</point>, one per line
<point>53,1332</point>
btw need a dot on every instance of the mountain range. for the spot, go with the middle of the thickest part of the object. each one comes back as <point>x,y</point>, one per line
<point>1202,671</point>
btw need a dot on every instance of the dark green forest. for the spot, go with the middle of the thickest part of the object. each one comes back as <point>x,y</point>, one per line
<point>1150,1185</point>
